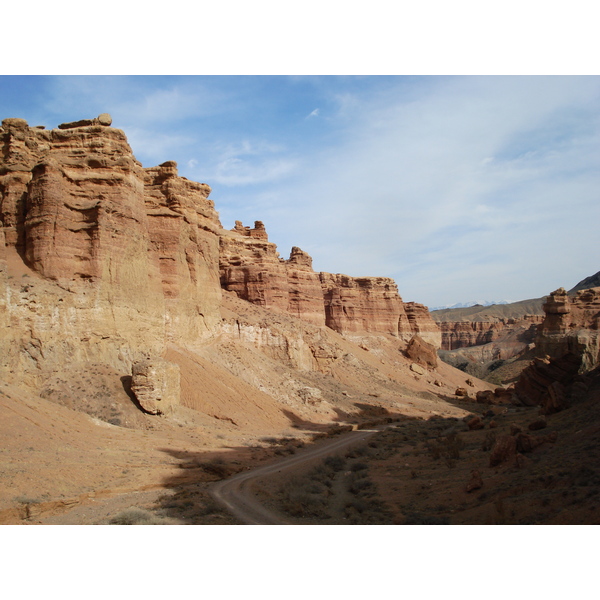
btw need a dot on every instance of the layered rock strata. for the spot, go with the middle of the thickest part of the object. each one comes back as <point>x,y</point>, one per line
<point>464,334</point>
<point>567,345</point>
<point>252,268</point>
<point>571,325</point>
<point>132,253</point>
<point>119,260</point>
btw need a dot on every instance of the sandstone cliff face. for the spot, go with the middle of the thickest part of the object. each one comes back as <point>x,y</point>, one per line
<point>121,258</point>
<point>252,268</point>
<point>567,347</point>
<point>572,324</point>
<point>464,334</point>
<point>361,304</point>
<point>421,322</point>
<point>105,262</point>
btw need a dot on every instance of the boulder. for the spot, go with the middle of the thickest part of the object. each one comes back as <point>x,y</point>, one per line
<point>475,483</point>
<point>504,450</point>
<point>485,397</point>
<point>421,352</point>
<point>475,423</point>
<point>538,424</point>
<point>155,384</point>
<point>418,369</point>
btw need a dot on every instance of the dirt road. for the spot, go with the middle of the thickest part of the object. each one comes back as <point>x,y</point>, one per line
<point>236,494</point>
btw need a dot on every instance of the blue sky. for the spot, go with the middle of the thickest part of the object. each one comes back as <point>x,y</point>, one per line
<point>459,187</point>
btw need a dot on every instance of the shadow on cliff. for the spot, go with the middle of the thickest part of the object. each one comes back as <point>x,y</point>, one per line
<point>126,381</point>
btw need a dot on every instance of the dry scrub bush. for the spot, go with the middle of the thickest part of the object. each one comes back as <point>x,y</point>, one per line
<point>135,516</point>
<point>448,447</point>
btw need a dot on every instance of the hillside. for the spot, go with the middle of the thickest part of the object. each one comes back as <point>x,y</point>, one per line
<point>495,312</point>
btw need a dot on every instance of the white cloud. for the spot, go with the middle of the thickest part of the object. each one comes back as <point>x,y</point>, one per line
<point>415,183</point>
<point>248,163</point>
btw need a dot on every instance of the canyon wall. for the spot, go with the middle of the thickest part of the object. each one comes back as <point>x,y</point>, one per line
<point>464,334</point>
<point>105,261</point>
<point>571,325</point>
<point>115,259</point>
<point>567,348</point>
<point>354,306</point>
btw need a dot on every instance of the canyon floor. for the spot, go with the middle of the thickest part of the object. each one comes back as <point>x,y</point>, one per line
<point>423,466</point>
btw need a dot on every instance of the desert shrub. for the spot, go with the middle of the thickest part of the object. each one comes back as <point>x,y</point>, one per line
<point>135,516</point>
<point>336,462</point>
<point>448,447</point>
<point>452,445</point>
<point>359,485</point>
<point>489,441</point>
<point>210,507</point>
<point>269,440</point>
<point>358,452</point>
<point>26,500</point>
<point>358,466</point>
<point>217,466</point>
<point>300,502</point>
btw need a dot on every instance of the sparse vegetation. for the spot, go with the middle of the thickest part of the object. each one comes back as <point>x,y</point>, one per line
<point>136,516</point>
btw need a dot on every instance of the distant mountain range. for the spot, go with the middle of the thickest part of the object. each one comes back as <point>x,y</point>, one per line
<point>469,304</point>
<point>484,311</point>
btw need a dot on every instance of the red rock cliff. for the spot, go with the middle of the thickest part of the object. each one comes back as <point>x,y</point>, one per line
<point>464,334</point>
<point>571,324</point>
<point>567,346</point>
<point>252,268</point>
<point>133,250</point>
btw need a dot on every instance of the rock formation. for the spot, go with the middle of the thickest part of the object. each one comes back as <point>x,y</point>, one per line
<point>567,345</point>
<point>464,334</point>
<point>132,252</point>
<point>117,263</point>
<point>252,268</point>
<point>155,384</point>
<point>572,324</point>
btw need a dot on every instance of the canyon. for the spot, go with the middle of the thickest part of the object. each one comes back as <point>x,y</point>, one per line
<point>146,347</point>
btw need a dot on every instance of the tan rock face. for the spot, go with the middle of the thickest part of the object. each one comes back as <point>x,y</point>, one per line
<point>572,324</point>
<point>122,258</point>
<point>464,334</point>
<point>156,385</point>
<point>183,228</point>
<point>252,268</point>
<point>420,322</point>
<point>567,344</point>
<point>361,304</point>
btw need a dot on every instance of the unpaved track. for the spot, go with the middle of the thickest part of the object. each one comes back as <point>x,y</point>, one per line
<point>236,494</point>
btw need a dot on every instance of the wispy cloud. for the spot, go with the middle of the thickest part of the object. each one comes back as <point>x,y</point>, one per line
<point>504,168</point>
<point>247,163</point>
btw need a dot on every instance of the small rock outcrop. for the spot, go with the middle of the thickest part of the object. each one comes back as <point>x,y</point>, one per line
<point>155,384</point>
<point>421,352</point>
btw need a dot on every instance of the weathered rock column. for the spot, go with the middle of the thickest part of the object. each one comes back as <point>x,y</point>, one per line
<point>155,384</point>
